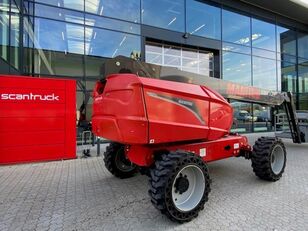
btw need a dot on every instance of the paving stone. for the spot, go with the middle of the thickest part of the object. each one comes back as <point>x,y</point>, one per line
<point>82,195</point>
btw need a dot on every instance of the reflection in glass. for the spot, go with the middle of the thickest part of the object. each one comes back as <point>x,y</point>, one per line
<point>262,118</point>
<point>286,40</point>
<point>279,77</point>
<point>235,28</point>
<point>53,51</point>
<point>264,73</point>
<point>112,24</point>
<point>303,77</point>
<point>64,37</point>
<point>93,66</point>
<point>71,4</point>
<point>57,64</point>
<point>302,47</point>
<point>263,35</point>
<point>242,117</point>
<point>237,68</point>
<point>164,14</point>
<point>15,6</point>
<point>288,58</point>
<point>114,43</point>
<point>14,41</point>
<point>4,35</point>
<point>288,77</point>
<point>186,59</point>
<point>121,9</point>
<point>58,14</point>
<point>4,5</point>
<point>203,19</point>
<point>236,48</point>
<point>303,101</point>
<point>264,53</point>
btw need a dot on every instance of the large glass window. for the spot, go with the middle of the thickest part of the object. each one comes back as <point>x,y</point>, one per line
<point>71,4</point>
<point>164,13</point>
<point>302,45</point>
<point>186,59</point>
<point>237,68</point>
<point>15,6</point>
<point>286,41</point>
<point>262,118</point>
<point>288,76</point>
<point>236,48</point>
<point>14,41</point>
<point>93,66</point>
<point>279,75</point>
<point>65,37</point>
<point>303,77</point>
<point>303,101</point>
<point>203,19</point>
<point>264,53</point>
<point>242,117</point>
<point>121,9</point>
<point>54,63</point>
<point>264,73</point>
<point>58,14</point>
<point>112,24</point>
<point>5,5</point>
<point>263,35</point>
<point>105,43</point>
<point>235,28</point>
<point>58,51</point>
<point>4,35</point>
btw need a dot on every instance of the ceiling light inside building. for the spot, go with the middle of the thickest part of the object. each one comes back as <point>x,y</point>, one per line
<point>198,28</point>
<point>301,2</point>
<point>172,21</point>
<point>101,12</point>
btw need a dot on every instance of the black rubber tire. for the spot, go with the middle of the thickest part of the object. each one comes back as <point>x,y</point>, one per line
<point>261,158</point>
<point>161,180</point>
<point>115,152</point>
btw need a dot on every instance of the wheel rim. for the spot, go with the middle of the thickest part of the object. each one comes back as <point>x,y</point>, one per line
<point>277,159</point>
<point>122,162</point>
<point>188,188</point>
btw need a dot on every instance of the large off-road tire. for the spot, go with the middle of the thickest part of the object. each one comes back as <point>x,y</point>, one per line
<point>117,163</point>
<point>179,185</point>
<point>269,158</point>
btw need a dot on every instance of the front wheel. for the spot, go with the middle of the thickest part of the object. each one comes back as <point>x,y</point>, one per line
<point>179,185</point>
<point>269,158</point>
<point>117,163</point>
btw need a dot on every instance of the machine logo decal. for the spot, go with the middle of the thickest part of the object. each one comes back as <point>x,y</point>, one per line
<point>29,96</point>
<point>189,105</point>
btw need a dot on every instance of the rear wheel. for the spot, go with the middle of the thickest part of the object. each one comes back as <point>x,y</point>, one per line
<point>117,163</point>
<point>269,158</point>
<point>179,185</point>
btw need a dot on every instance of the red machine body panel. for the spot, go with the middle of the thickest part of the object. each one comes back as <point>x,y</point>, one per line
<point>37,119</point>
<point>228,146</point>
<point>124,119</point>
<point>135,110</point>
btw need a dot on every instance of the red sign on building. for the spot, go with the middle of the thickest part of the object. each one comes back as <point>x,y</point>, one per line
<point>37,119</point>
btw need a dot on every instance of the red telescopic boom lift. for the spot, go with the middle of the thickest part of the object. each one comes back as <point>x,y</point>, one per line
<point>170,124</point>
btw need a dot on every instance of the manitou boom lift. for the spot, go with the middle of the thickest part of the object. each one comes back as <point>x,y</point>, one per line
<point>228,90</point>
<point>170,123</point>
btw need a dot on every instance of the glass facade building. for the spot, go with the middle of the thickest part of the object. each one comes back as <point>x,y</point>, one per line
<point>230,40</point>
